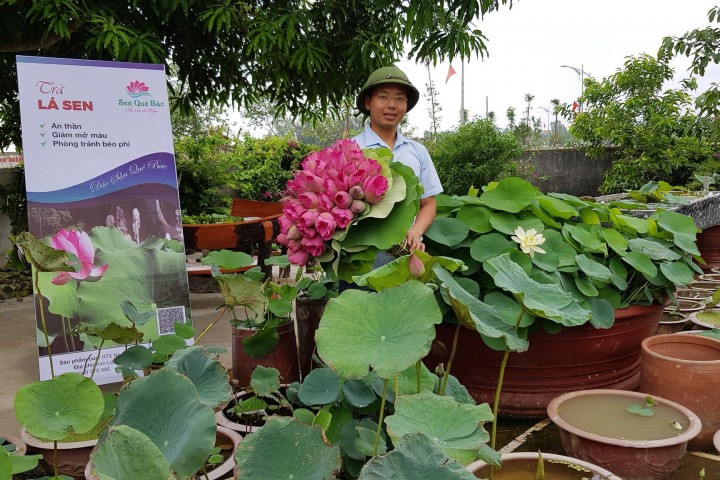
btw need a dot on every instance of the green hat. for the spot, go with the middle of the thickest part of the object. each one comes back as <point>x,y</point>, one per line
<point>387,75</point>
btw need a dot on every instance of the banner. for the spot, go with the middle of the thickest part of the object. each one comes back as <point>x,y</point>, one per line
<point>101,184</point>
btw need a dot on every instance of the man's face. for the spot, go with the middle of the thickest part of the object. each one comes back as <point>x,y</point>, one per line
<point>387,105</point>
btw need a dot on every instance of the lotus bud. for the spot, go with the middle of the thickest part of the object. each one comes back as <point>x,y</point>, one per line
<point>416,266</point>
<point>357,207</point>
<point>293,233</point>
<point>357,193</point>
<point>343,199</point>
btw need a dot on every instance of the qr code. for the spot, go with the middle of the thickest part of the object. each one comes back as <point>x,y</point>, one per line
<point>166,318</point>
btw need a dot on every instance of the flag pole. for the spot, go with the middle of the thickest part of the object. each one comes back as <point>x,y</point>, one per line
<point>462,91</point>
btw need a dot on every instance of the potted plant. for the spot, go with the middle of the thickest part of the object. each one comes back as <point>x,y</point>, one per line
<point>618,270</point>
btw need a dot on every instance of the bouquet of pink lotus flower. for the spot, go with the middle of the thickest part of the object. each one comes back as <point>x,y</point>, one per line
<point>344,204</point>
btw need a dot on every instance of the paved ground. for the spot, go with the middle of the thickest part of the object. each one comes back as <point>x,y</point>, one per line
<point>18,366</point>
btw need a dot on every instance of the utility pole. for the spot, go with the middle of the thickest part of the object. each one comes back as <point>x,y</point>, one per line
<point>581,73</point>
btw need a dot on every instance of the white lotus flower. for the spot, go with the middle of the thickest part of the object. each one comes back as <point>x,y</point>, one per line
<point>529,240</point>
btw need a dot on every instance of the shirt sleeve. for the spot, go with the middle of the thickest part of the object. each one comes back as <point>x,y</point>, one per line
<point>428,175</point>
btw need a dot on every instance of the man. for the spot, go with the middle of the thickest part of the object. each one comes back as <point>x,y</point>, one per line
<point>386,97</point>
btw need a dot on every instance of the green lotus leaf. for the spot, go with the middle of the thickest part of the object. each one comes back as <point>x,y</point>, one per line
<point>227,259</point>
<point>165,407</point>
<point>603,314</point>
<point>41,256</point>
<point>397,272</point>
<point>592,268</point>
<point>304,415</point>
<point>475,217</point>
<point>305,456</point>
<point>136,316</point>
<point>615,240</point>
<point>407,380</point>
<point>209,376</point>
<point>240,291</point>
<point>322,419</point>
<point>547,301</point>
<point>114,333</point>
<point>557,207</point>
<point>508,309</point>
<point>358,393</point>
<point>457,390</point>
<point>490,245</point>
<point>556,245</point>
<point>479,316</point>
<point>128,453</point>
<point>396,193</point>
<point>587,288</point>
<point>349,435</point>
<point>506,223</point>
<point>687,243</point>
<point>619,274</point>
<point>340,416</point>
<point>641,263</point>
<point>63,299</point>
<point>635,224</point>
<point>56,408</point>
<point>544,216</point>
<point>6,465</point>
<point>414,457</point>
<point>677,272</point>
<point>355,263</point>
<point>654,249</point>
<point>392,331</point>
<point>265,381</point>
<point>571,199</point>
<point>365,442</point>
<point>320,387</point>
<point>511,194</point>
<point>168,344</point>
<point>261,342</point>
<point>455,427</point>
<point>676,223</point>
<point>589,216</point>
<point>447,231</point>
<point>586,237</point>
<point>136,357</point>
<point>184,330</point>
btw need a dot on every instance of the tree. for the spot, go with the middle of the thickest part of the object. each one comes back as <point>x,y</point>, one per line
<point>510,114</point>
<point>433,108</point>
<point>303,57</point>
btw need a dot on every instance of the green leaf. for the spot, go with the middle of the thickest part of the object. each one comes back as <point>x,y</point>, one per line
<point>586,237</point>
<point>261,342</point>
<point>488,246</point>
<point>677,272</point>
<point>128,453</point>
<point>615,240</point>
<point>641,263</point>
<point>43,257</point>
<point>676,223</point>
<point>643,411</point>
<point>165,407</point>
<point>392,331</point>
<point>414,457</point>
<point>323,419</point>
<point>557,207</point>
<point>304,415</point>
<point>476,217</point>
<point>56,408</point>
<point>136,357</point>
<point>447,231</point>
<point>593,269</point>
<point>603,314</point>
<point>349,434</point>
<point>365,442</point>
<point>687,243</point>
<point>305,456</point>
<point>320,387</point>
<point>511,194</point>
<point>227,259</point>
<point>207,374</point>
<point>587,288</point>
<point>168,344</point>
<point>654,249</point>
<point>506,223</point>
<point>455,427</point>
<point>265,381</point>
<point>619,274</point>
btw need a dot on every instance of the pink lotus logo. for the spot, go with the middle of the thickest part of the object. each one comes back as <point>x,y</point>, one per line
<point>137,89</point>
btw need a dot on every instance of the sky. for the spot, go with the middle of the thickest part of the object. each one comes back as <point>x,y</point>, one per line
<point>528,44</point>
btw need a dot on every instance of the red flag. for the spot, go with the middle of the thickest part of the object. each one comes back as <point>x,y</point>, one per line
<point>451,72</point>
<point>575,105</point>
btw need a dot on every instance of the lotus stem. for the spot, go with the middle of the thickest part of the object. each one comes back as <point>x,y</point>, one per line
<point>417,375</point>
<point>397,385</point>
<point>97,358</point>
<point>222,312</point>
<point>55,450</point>
<point>45,330</point>
<point>443,385</point>
<point>380,419</point>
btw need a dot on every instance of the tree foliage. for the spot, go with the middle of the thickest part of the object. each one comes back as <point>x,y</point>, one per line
<point>474,155</point>
<point>303,57</point>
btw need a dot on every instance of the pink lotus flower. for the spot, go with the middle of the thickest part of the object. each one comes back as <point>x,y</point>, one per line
<point>374,188</point>
<point>79,244</point>
<point>314,246</point>
<point>137,87</point>
<point>298,257</point>
<point>343,217</point>
<point>308,200</point>
<point>343,200</point>
<point>325,225</point>
<point>326,203</point>
<point>416,266</point>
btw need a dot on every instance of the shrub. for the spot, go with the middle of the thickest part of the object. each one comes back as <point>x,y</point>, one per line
<point>474,155</point>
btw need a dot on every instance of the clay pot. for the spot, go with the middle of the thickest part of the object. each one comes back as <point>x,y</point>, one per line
<point>704,286</point>
<point>629,459</point>
<point>686,306</point>
<point>20,446</point>
<point>698,318</point>
<point>71,456</point>
<point>672,322</point>
<point>224,436</point>
<point>284,356</point>
<point>715,270</point>
<point>691,294</point>
<point>252,424</point>
<point>710,277</point>
<point>527,462</point>
<point>308,313</point>
<point>686,370</point>
<point>716,440</point>
<point>708,243</point>
<point>576,358</point>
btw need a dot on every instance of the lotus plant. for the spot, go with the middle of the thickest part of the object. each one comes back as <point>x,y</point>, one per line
<point>79,244</point>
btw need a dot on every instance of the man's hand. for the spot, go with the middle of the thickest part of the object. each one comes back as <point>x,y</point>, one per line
<point>412,241</point>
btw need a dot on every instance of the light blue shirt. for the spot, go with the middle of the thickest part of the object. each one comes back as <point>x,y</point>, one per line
<point>410,153</point>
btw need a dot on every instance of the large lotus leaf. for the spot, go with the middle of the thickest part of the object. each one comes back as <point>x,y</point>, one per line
<point>544,216</point>
<point>457,390</point>
<point>511,194</point>
<point>455,427</point>
<point>384,233</point>
<point>615,240</point>
<point>265,381</point>
<point>62,299</point>
<point>407,380</point>
<point>479,316</point>
<point>593,268</point>
<point>555,243</point>
<point>388,331</point>
<point>56,408</point>
<point>654,249</point>
<point>241,291</point>
<point>320,387</point>
<point>634,224</point>
<point>165,407</point>
<point>476,217</point>
<point>508,309</point>
<point>677,272</point>
<point>585,236</point>
<point>556,207</point>
<point>209,376</point>
<point>129,453</point>
<point>6,466</point>
<point>414,457</point>
<point>589,216</point>
<point>397,272</point>
<point>113,332</point>
<point>136,357</point>
<point>365,442</point>
<point>447,231</point>
<point>41,256</point>
<point>358,393</point>
<point>543,300</point>
<point>641,263</point>
<point>687,243</point>
<point>227,259</point>
<point>285,448</point>
<point>506,223</point>
<point>676,223</point>
<point>491,245</point>
<point>12,464</point>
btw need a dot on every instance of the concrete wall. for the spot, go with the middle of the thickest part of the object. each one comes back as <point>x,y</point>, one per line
<point>567,171</point>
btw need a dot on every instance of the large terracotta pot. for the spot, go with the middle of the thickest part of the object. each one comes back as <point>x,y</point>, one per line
<point>708,242</point>
<point>526,462</point>
<point>634,459</point>
<point>71,457</point>
<point>685,369</point>
<point>576,358</point>
<point>284,356</point>
<point>308,313</point>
